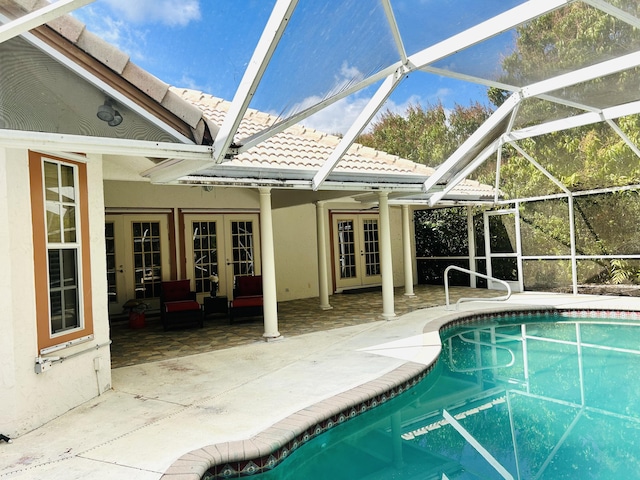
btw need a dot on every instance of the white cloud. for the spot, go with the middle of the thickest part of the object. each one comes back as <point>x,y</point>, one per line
<point>114,31</point>
<point>337,117</point>
<point>169,12</point>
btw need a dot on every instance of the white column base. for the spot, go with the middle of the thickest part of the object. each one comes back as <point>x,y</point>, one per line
<point>272,337</point>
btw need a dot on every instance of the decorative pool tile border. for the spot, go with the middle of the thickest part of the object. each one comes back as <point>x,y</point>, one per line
<point>270,447</point>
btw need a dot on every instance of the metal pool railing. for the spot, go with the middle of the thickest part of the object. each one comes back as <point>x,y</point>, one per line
<point>469,299</point>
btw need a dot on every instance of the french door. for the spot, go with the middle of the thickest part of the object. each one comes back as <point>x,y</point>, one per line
<point>356,250</point>
<point>138,258</point>
<point>220,247</point>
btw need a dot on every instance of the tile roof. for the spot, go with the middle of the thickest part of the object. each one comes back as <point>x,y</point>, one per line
<point>299,147</point>
<point>303,148</point>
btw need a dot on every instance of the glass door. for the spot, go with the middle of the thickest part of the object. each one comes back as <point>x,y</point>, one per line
<point>242,249</point>
<point>219,247</point>
<point>356,250</point>
<point>138,258</point>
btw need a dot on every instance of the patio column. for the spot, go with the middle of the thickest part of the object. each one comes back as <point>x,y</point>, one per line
<point>270,300</point>
<point>323,277</point>
<point>406,250</point>
<point>471,236</point>
<point>386,264</point>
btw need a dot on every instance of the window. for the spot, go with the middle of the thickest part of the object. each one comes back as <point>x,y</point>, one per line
<point>61,242</point>
<point>205,254</point>
<point>147,259</point>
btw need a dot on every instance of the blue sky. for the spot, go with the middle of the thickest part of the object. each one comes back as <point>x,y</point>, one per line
<point>207,44</point>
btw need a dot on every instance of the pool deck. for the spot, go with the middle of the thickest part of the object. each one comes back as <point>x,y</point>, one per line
<point>160,411</point>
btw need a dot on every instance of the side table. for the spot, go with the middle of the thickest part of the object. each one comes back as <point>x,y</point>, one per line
<point>216,305</point>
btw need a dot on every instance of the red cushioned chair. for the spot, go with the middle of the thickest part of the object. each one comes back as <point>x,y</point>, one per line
<point>247,297</point>
<point>178,305</point>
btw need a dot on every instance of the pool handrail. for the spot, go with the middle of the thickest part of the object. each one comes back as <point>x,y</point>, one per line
<point>482,344</point>
<point>470,299</point>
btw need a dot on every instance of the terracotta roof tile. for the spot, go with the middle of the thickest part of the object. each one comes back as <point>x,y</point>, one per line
<point>102,51</point>
<point>186,111</point>
<point>69,27</point>
<point>152,86</point>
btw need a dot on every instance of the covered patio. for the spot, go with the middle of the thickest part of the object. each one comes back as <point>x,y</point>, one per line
<point>297,317</point>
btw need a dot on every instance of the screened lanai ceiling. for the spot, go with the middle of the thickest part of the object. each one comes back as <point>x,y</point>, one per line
<point>314,58</point>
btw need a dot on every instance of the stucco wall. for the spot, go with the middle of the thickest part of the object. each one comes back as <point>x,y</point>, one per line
<point>295,240</point>
<point>294,228</point>
<point>27,399</point>
<point>146,195</point>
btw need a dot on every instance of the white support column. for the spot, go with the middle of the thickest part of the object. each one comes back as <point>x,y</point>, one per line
<point>572,232</point>
<point>471,236</point>
<point>386,264</point>
<point>406,250</point>
<point>519,261</point>
<point>323,277</point>
<point>270,300</point>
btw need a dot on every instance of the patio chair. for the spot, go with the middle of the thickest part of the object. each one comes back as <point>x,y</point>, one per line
<point>247,297</point>
<point>178,305</point>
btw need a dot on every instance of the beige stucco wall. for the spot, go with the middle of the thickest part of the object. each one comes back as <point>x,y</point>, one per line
<point>146,195</point>
<point>294,228</point>
<point>295,244</point>
<point>27,399</point>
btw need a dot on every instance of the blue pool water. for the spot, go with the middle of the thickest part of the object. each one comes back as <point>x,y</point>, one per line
<point>553,398</point>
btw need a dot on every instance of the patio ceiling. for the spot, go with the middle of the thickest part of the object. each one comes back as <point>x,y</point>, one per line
<point>382,47</point>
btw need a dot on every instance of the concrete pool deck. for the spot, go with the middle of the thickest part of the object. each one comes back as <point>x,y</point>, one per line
<point>160,411</point>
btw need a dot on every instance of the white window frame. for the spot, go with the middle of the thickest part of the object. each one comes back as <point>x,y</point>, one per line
<point>63,244</point>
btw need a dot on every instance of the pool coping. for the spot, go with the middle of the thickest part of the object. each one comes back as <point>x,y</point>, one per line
<point>265,450</point>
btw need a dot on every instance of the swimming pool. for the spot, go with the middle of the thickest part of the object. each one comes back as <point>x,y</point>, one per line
<point>514,396</point>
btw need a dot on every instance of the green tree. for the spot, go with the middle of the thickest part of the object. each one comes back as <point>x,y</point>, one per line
<point>571,37</point>
<point>427,135</point>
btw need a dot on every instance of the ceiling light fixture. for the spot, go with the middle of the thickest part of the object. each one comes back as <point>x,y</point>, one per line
<point>108,114</point>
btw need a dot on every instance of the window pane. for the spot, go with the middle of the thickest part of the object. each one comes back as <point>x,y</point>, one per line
<point>54,269</point>
<point>56,311</point>
<point>67,184</point>
<point>71,309</point>
<point>51,182</point>
<point>53,223</point>
<point>69,221</point>
<point>69,268</point>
